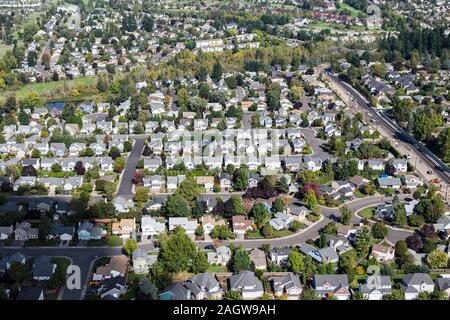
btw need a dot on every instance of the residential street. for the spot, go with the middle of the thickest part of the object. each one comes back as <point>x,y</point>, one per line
<point>126,183</point>
<point>84,256</point>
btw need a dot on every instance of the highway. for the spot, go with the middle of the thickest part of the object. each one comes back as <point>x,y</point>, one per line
<point>420,156</point>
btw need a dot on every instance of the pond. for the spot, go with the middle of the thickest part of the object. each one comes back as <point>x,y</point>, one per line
<point>58,105</point>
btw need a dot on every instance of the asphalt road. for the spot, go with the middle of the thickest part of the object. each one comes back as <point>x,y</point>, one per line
<point>316,143</point>
<point>329,214</point>
<point>421,157</point>
<point>126,184</point>
<point>85,256</point>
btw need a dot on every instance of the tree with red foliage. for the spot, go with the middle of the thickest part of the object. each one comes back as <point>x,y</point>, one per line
<point>311,186</point>
<point>138,177</point>
<point>259,192</point>
<point>428,231</point>
<point>79,168</point>
<point>414,242</point>
<point>147,151</point>
<point>29,171</point>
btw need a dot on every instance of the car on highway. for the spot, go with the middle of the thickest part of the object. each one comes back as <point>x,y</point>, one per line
<point>429,172</point>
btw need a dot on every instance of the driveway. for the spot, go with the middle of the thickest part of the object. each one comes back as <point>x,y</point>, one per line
<point>316,143</point>
<point>126,184</point>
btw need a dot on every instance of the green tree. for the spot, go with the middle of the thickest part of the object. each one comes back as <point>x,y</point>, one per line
<point>310,294</point>
<point>234,206</point>
<point>437,259</point>
<point>295,260</point>
<point>141,194</point>
<point>178,251</point>
<point>216,73</point>
<point>362,241</point>
<point>400,217</point>
<point>183,98</point>
<point>189,190</point>
<point>241,179</point>
<point>241,260</point>
<point>278,205</point>
<point>149,289</point>
<point>31,102</point>
<point>176,206</point>
<point>297,93</point>
<point>45,227</point>
<point>232,295</point>
<point>423,125</point>
<point>130,247</point>
<point>200,263</point>
<point>379,230</point>
<point>221,232</point>
<point>310,199</point>
<point>259,213</point>
<point>17,271</point>
<point>147,23</point>
<point>282,185</point>
<point>346,215</point>
<point>56,168</point>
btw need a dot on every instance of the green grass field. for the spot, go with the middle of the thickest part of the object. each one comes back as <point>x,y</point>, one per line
<point>354,12</point>
<point>46,89</point>
<point>367,213</point>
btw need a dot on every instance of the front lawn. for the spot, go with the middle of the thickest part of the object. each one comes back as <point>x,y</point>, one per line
<point>282,233</point>
<point>115,241</point>
<point>97,243</point>
<point>367,213</point>
<point>217,268</point>
<point>359,194</point>
<point>41,243</point>
<point>254,235</point>
<point>135,277</point>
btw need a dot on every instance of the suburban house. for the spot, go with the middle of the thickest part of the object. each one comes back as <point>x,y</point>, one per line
<point>383,253</point>
<point>61,232</point>
<point>116,267</point>
<point>399,165</point>
<point>279,256</point>
<point>142,261</point>
<point>247,284</point>
<point>185,223</point>
<point>112,288</point>
<point>221,256</point>
<point>87,231</point>
<point>415,283</point>
<point>258,257</point>
<point>241,225</point>
<point>6,232</point>
<point>389,182</point>
<point>323,255</point>
<point>124,228</point>
<point>43,268</point>
<point>332,285</point>
<point>443,285</point>
<point>288,284</point>
<point>24,231</point>
<point>123,204</point>
<point>376,287</point>
<point>151,227</point>
<point>175,291</point>
<point>209,222</point>
<point>204,285</point>
<point>281,221</point>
